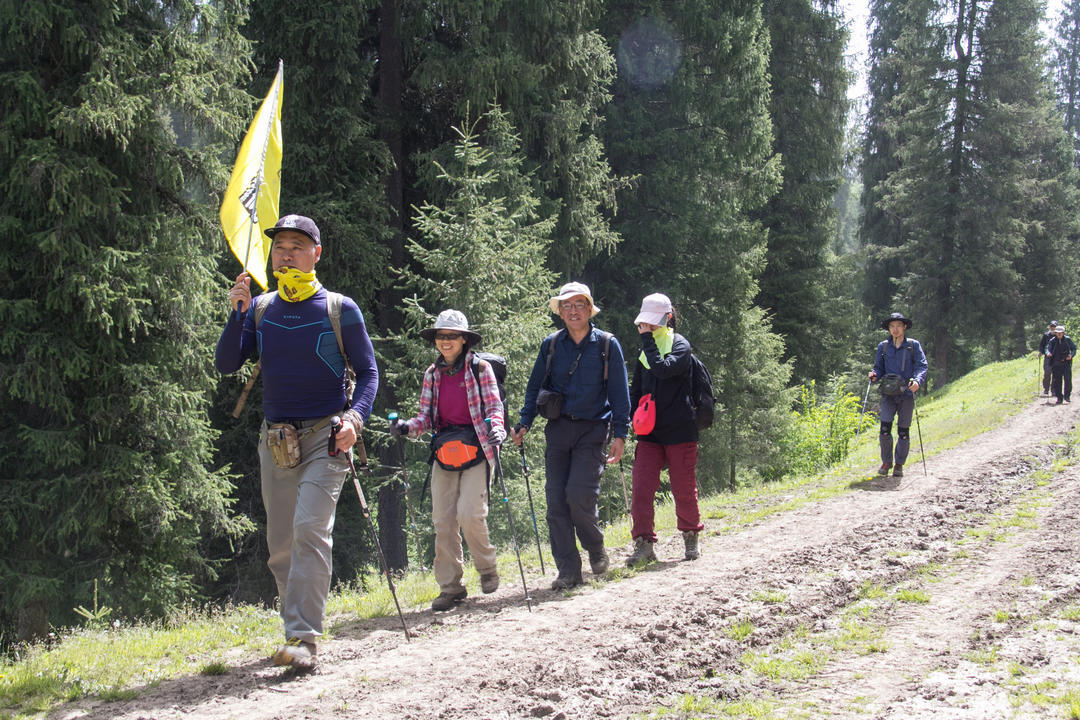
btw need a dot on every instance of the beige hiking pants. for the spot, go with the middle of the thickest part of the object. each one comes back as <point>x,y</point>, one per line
<point>459,504</point>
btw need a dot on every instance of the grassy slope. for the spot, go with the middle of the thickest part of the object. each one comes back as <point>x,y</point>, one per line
<point>108,661</point>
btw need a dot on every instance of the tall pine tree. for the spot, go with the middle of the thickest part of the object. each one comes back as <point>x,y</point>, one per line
<point>108,262</point>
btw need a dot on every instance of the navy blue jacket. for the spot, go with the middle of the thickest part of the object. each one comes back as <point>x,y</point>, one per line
<point>908,361</point>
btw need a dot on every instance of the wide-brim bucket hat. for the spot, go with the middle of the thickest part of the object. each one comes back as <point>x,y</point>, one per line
<point>569,290</point>
<point>456,321</point>
<point>896,316</point>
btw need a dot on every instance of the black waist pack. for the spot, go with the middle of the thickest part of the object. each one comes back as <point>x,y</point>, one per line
<point>549,404</point>
<point>455,447</point>
<point>892,384</point>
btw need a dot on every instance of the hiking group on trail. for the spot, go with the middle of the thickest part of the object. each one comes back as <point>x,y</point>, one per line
<point>320,379</point>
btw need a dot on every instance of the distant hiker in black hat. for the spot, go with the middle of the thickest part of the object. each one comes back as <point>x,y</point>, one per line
<point>900,363</point>
<point>1047,365</point>
<point>460,401</point>
<point>1060,351</point>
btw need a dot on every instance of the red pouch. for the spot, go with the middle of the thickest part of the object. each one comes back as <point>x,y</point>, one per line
<point>645,415</point>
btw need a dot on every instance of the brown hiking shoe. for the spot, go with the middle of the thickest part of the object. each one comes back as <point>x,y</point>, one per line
<point>296,653</point>
<point>898,471</point>
<point>884,469</point>
<point>598,561</point>
<point>690,545</point>
<point>643,553</point>
<point>489,582</point>
<point>447,600</point>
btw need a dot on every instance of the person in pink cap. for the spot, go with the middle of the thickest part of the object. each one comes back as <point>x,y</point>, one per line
<point>667,432</point>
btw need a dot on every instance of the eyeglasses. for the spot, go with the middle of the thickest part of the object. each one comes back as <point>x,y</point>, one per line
<point>447,336</point>
<point>579,305</point>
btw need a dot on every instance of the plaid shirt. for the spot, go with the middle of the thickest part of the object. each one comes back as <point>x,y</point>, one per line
<point>485,396</point>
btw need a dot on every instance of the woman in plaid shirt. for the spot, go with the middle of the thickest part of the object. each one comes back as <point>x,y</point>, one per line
<point>459,395</point>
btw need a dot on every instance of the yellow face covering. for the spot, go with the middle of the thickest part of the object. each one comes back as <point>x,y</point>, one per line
<point>665,338</point>
<point>296,285</point>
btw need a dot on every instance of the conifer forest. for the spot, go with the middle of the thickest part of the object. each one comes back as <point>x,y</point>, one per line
<point>476,155</point>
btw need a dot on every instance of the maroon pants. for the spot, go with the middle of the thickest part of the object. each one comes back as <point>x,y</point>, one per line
<point>681,462</point>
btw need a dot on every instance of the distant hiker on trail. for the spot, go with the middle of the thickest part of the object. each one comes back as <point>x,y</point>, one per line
<point>666,429</point>
<point>1047,364</point>
<point>460,401</point>
<point>578,383</point>
<point>1060,351</point>
<point>305,383</point>
<point>900,364</point>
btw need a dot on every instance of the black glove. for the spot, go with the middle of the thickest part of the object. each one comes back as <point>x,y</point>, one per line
<point>517,428</point>
<point>399,428</point>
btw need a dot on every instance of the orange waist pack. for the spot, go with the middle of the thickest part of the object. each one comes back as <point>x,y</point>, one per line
<point>456,448</point>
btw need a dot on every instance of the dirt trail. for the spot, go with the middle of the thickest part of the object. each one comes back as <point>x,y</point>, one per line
<point>991,548</point>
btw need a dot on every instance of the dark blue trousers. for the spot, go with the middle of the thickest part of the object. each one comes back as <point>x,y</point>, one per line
<point>573,462</point>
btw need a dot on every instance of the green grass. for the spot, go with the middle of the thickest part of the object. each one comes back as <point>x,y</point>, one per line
<point>694,707</point>
<point>906,595</point>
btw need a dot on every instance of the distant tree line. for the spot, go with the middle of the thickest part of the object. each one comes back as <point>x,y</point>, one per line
<point>475,155</point>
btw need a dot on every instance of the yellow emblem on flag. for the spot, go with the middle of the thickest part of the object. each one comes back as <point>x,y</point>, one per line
<point>250,205</point>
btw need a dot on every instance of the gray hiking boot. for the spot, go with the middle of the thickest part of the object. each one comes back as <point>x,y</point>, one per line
<point>598,561</point>
<point>296,653</point>
<point>489,582</point>
<point>643,553</point>
<point>884,469</point>
<point>447,600</point>
<point>690,545</point>
<point>898,470</point>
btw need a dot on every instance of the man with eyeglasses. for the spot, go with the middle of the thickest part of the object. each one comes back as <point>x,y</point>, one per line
<point>578,383</point>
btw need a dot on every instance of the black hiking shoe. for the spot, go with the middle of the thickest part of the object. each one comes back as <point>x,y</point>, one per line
<point>598,562</point>
<point>898,471</point>
<point>884,469</point>
<point>1059,401</point>
<point>565,582</point>
<point>447,600</point>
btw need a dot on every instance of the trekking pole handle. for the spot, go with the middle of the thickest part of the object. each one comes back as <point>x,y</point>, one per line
<point>331,447</point>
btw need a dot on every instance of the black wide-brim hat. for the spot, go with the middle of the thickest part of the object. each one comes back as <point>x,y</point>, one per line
<point>896,316</point>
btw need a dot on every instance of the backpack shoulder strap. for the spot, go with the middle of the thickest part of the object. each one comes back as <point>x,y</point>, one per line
<point>333,309</point>
<point>261,303</point>
<point>550,340</point>
<point>605,352</point>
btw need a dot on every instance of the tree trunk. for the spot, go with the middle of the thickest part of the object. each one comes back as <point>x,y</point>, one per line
<point>391,82</point>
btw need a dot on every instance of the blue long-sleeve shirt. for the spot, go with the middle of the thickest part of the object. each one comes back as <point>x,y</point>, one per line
<point>302,368</point>
<point>908,361</point>
<point>584,395</point>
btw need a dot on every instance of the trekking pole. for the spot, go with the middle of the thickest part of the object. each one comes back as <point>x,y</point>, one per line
<point>532,510</point>
<point>510,519</point>
<point>918,427</point>
<point>858,428</point>
<point>625,497</point>
<point>335,425</point>
<point>392,418</point>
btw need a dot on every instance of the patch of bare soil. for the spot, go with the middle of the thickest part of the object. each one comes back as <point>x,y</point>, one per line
<point>992,549</point>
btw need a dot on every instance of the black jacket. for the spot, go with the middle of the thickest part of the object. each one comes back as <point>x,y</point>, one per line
<point>668,379</point>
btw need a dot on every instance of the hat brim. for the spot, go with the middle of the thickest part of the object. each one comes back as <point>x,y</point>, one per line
<point>885,323</point>
<point>553,303</point>
<point>270,232</point>
<point>473,339</point>
<point>650,318</point>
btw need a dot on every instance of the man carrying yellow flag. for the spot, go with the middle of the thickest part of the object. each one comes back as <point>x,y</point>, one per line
<point>250,204</point>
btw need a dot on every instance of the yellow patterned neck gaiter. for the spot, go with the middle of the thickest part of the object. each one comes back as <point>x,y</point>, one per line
<point>296,285</point>
<point>665,338</point>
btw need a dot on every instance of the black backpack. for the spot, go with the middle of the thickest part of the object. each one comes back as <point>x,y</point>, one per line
<point>498,366</point>
<point>701,393</point>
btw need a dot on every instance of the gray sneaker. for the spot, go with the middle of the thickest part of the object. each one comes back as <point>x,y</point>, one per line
<point>690,545</point>
<point>598,561</point>
<point>296,653</point>
<point>643,554</point>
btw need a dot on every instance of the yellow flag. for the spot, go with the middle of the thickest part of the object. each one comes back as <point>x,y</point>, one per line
<point>250,204</point>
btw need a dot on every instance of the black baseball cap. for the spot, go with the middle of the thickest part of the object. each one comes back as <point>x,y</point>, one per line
<point>299,223</point>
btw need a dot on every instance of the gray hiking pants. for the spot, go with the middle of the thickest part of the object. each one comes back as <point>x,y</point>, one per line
<point>300,504</point>
<point>900,407</point>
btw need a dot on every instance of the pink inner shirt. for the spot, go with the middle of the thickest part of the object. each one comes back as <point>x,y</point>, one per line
<point>453,400</point>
